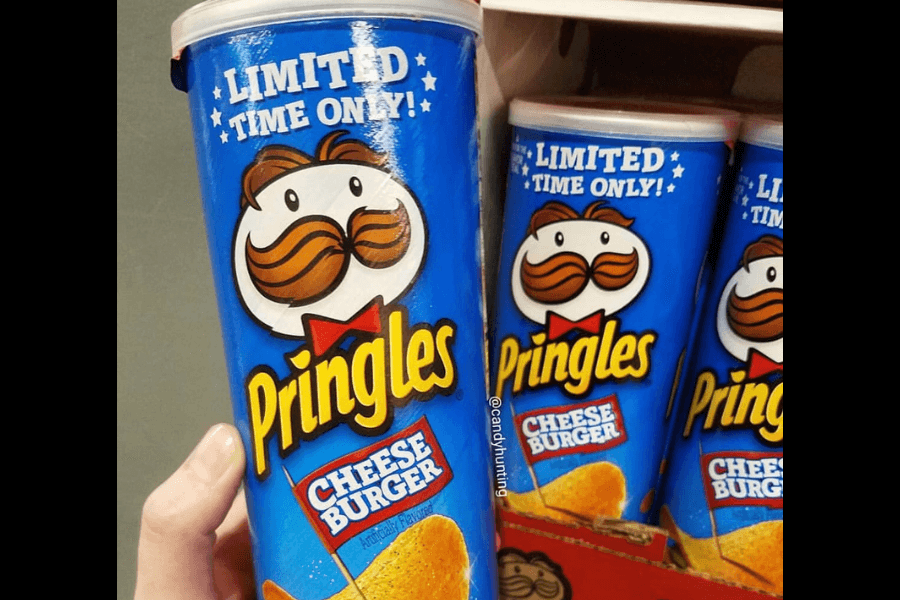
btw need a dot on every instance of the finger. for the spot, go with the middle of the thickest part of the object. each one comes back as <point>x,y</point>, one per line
<point>232,562</point>
<point>235,520</point>
<point>175,548</point>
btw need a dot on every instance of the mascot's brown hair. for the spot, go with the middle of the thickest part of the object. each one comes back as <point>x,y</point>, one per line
<point>272,161</point>
<point>557,211</point>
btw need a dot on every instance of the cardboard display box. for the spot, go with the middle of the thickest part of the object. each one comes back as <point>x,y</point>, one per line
<point>616,560</point>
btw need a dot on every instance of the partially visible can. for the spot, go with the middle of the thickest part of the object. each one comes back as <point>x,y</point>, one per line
<point>337,148</point>
<point>723,497</point>
<point>608,213</point>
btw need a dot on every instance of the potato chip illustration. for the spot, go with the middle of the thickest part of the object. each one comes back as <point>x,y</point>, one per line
<point>590,491</point>
<point>428,560</point>
<point>751,556</point>
<point>273,591</point>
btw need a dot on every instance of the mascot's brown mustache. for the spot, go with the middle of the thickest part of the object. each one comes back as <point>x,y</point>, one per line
<point>758,318</point>
<point>311,257</point>
<point>563,276</point>
<point>522,586</point>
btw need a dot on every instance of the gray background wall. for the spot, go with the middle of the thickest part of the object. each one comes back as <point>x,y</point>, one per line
<point>170,364</point>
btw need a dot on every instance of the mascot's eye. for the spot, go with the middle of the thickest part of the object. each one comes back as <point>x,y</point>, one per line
<point>517,570</point>
<point>771,273</point>
<point>604,238</point>
<point>558,238</point>
<point>540,573</point>
<point>355,187</point>
<point>291,200</point>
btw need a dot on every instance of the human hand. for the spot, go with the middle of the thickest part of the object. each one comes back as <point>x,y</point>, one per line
<point>195,542</point>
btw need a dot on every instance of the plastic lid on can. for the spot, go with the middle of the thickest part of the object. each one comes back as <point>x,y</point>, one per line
<point>626,117</point>
<point>215,17</point>
<point>764,130</point>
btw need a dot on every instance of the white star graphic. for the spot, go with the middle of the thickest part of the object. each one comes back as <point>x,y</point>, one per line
<point>217,93</point>
<point>224,137</point>
<point>429,80</point>
<point>524,169</point>
<point>425,105</point>
<point>670,188</point>
<point>674,156</point>
<point>526,184</point>
<point>529,154</point>
<point>744,201</point>
<point>420,60</point>
<point>216,117</point>
<point>677,171</point>
<point>744,216</point>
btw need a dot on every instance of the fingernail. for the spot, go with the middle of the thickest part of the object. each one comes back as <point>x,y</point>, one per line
<point>213,455</point>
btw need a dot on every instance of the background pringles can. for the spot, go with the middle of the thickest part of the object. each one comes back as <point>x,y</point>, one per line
<point>338,156</point>
<point>723,497</point>
<point>608,214</point>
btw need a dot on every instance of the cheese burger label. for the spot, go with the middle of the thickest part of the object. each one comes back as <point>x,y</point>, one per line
<point>571,429</point>
<point>369,486</point>
<point>743,479</point>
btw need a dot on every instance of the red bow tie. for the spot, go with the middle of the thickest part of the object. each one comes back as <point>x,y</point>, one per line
<point>558,326</point>
<point>759,365</point>
<point>323,333</point>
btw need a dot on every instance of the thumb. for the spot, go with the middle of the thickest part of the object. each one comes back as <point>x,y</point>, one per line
<point>178,523</point>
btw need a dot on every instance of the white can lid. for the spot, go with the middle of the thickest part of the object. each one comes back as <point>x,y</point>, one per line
<point>623,117</point>
<point>764,130</point>
<point>215,17</point>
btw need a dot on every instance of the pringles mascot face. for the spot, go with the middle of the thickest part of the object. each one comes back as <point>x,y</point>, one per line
<point>750,315</point>
<point>530,576</point>
<point>576,265</point>
<point>323,235</point>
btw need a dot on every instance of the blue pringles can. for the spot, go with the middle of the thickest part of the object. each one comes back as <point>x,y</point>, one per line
<point>337,148</point>
<point>723,498</point>
<point>609,209</point>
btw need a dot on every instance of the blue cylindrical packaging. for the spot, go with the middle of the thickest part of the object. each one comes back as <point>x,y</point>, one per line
<point>609,209</point>
<point>337,148</point>
<point>723,490</point>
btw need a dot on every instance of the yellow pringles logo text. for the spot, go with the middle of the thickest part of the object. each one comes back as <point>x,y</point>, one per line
<point>576,364</point>
<point>738,404</point>
<point>358,387</point>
